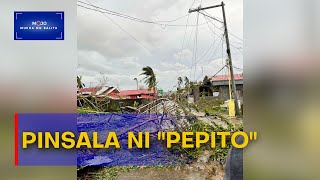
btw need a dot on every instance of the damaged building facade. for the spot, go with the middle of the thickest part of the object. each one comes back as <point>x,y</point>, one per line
<point>217,87</point>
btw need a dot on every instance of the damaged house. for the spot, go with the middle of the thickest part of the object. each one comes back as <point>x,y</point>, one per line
<point>217,87</point>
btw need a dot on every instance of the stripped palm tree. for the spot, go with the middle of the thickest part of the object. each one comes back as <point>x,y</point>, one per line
<point>136,82</point>
<point>80,85</point>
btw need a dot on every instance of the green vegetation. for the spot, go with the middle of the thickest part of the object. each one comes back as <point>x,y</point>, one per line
<point>111,172</point>
<point>205,105</point>
<point>87,110</point>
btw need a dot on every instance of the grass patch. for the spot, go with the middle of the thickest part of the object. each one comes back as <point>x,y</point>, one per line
<point>111,172</point>
<point>88,110</point>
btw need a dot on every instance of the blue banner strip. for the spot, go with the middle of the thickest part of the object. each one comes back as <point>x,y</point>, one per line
<point>102,125</point>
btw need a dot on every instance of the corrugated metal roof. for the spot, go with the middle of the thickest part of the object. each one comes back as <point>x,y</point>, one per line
<point>97,90</point>
<point>226,77</point>
<point>102,90</point>
<point>91,90</point>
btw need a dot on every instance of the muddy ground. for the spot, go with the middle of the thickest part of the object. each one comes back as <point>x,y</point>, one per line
<point>196,171</point>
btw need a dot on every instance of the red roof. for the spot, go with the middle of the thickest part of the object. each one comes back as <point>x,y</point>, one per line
<point>226,77</point>
<point>91,90</point>
<point>147,97</point>
<point>136,92</point>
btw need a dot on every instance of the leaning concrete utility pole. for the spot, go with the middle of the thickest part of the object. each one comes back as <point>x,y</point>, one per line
<point>234,88</point>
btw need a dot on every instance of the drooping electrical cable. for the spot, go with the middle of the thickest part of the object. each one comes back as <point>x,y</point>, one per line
<point>118,25</point>
<point>162,23</point>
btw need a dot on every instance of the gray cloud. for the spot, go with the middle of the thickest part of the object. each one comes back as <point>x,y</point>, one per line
<point>103,47</point>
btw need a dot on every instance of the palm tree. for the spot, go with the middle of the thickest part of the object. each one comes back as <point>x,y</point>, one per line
<point>136,82</point>
<point>180,81</point>
<point>206,80</point>
<point>186,81</point>
<point>80,85</point>
<point>187,84</point>
<point>150,78</point>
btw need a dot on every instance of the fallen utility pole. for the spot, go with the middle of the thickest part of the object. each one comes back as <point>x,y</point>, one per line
<point>234,88</point>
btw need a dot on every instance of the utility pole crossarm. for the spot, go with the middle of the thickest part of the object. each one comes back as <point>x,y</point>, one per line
<point>200,9</point>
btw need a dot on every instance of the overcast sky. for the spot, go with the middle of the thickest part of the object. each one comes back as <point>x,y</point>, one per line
<point>105,48</point>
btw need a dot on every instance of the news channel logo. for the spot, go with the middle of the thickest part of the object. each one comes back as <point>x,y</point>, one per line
<point>38,25</point>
